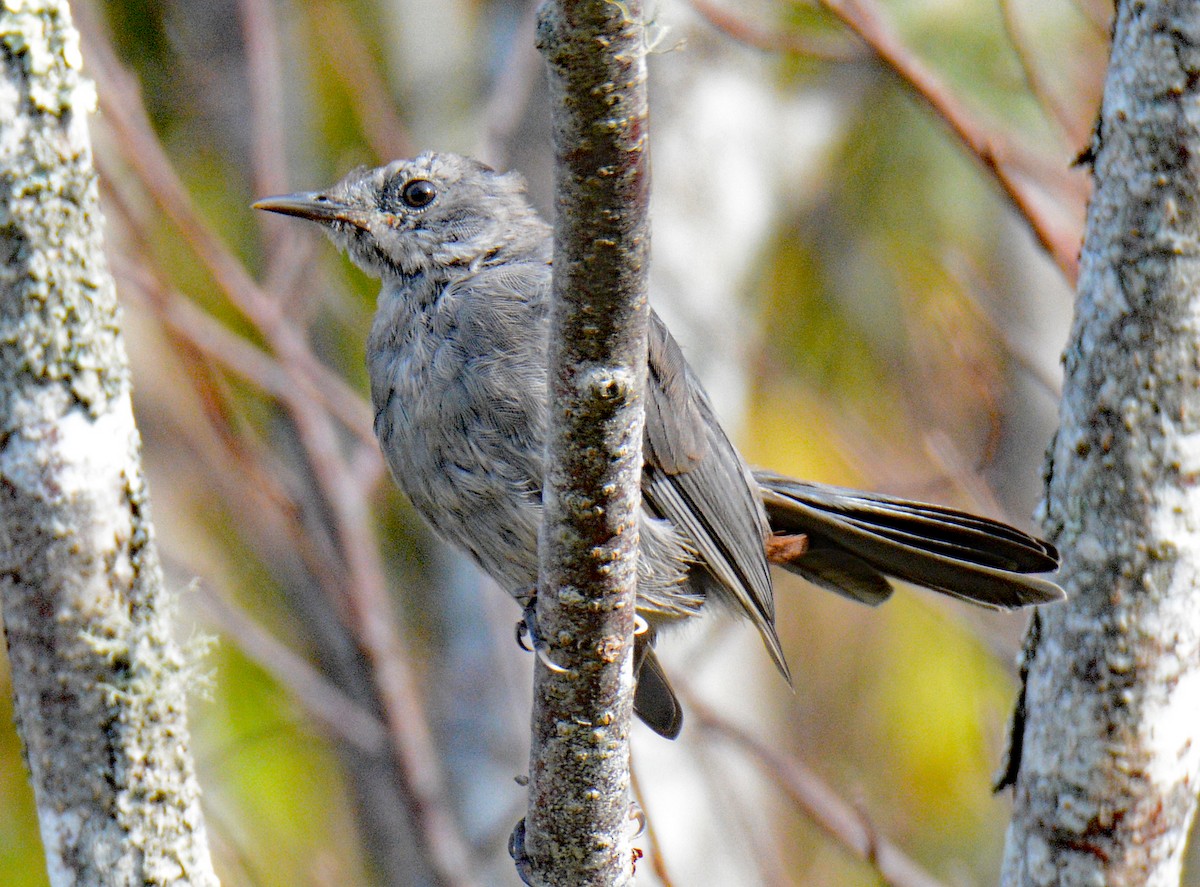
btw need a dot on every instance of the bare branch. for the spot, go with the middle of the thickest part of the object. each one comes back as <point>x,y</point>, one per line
<point>864,18</point>
<point>577,828</point>
<point>838,819</point>
<point>1041,90</point>
<point>374,106</point>
<point>339,715</point>
<point>260,35</point>
<point>752,34</point>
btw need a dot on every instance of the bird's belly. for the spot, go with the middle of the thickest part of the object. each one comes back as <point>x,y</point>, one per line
<point>470,461</point>
<point>471,482</point>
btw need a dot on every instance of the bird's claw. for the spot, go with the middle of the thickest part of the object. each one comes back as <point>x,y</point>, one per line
<point>516,849</point>
<point>637,820</point>
<point>528,628</point>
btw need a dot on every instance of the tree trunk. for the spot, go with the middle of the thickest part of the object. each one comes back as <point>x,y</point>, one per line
<point>100,683</point>
<point>1106,750</point>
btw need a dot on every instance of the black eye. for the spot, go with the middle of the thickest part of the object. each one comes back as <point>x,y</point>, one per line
<point>418,193</point>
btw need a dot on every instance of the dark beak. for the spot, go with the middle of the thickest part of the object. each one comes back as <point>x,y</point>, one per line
<point>316,207</point>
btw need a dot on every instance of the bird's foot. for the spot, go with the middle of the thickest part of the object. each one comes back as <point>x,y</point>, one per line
<point>640,625</point>
<point>524,866</point>
<point>516,849</point>
<point>528,628</point>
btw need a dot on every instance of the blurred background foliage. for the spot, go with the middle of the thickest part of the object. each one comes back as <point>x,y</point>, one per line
<point>866,305</point>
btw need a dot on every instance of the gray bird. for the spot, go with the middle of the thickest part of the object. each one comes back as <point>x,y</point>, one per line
<point>457,358</point>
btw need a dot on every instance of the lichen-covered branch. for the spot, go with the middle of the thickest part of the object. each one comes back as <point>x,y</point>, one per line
<point>98,679</point>
<point>1106,758</point>
<point>578,823</point>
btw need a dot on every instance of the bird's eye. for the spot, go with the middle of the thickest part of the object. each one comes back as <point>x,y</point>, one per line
<point>418,193</point>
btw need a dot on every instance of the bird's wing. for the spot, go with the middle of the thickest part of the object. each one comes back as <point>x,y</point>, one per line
<point>694,478</point>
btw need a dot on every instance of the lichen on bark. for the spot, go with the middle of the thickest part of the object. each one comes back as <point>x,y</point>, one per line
<point>1107,753</point>
<point>99,681</point>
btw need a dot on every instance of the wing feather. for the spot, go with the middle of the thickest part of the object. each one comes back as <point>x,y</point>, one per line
<point>695,478</point>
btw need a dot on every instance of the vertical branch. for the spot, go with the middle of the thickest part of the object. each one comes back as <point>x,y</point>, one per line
<point>576,830</point>
<point>1106,746</point>
<point>100,684</point>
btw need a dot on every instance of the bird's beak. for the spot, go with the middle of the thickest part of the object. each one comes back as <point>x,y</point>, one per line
<point>316,207</point>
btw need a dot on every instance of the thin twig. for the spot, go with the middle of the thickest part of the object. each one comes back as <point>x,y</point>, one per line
<point>144,152</point>
<point>655,857</point>
<point>973,282</point>
<point>751,34</point>
<point>339,715</point>
<point>952,464</point>
<point>741,818</point>
<point>864,18</point>
<point>1041,90</point>
<point>124,111</point>
<point>260,36</point>
<point>190,324</point>
<point>348,55</point>
<point>238,447</point>
<point>1098,14</point>
<point>820,803</point>
<point>289,252</point>
<point>188,321</point>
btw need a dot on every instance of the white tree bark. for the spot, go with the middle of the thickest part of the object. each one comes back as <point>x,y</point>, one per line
<point>98,679</point>
<point>1106,758</point>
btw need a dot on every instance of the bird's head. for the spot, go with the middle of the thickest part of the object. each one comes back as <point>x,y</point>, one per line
<point>413,216</point>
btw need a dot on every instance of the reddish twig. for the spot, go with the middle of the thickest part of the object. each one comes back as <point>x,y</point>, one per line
<point>338,715</point>
<point>348,55</point>
<point>289,252</point>
<point>312,381</point>
<point>236,447</point>
<point>973,282</point>
<point>864,19</point>
<point>741,816</point>
<point>655,857</point>
<point>1039,88</point>
<point>1098,14</point>
<point>745,31</point>
<point>260,36</point>
<point>364,591</point>
<point>190,324</point>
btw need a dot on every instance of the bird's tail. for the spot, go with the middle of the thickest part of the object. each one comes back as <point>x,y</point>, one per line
<point>856,540</point>
<point>654,700</point>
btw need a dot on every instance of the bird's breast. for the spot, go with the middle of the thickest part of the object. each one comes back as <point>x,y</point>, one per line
<point>461,424</point>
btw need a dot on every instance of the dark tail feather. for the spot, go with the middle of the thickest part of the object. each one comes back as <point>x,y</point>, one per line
<point>856,540</point>
<point>654,701</point>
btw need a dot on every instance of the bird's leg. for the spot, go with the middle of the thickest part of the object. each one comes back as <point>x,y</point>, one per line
<point>527,627</point>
